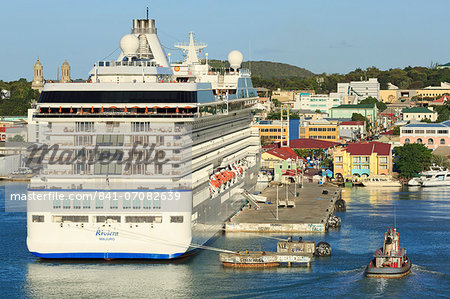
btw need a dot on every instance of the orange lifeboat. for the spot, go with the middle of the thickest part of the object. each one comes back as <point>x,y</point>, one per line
<point>215,183</point>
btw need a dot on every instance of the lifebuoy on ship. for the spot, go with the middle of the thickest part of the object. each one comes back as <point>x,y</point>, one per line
<point>176,69</point>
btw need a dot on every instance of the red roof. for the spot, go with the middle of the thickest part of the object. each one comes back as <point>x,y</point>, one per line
<point>367,148</point>
<point>306,143</point>
<point>283,153</point>
<point>352,123</point>
<point>390,132</point>
<point>442,100</point>
<point>271,146</point>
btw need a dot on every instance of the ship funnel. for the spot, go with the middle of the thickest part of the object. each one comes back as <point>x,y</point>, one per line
<point>144,26</point>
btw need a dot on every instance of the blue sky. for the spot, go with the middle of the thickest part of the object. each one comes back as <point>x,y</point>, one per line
<point>332,36</point>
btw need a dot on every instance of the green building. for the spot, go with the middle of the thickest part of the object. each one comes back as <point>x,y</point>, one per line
<point>280,167</point>
<point>370,111</point>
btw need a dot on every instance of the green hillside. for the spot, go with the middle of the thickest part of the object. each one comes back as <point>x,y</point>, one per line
<point>267,69</point>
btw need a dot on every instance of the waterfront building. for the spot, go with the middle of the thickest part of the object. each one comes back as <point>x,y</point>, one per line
<point>360,89</point>
<point>419,113</point>
<point>279,160</point>
<point>290,165</point>
<point>369,111</point>
<point>322,102</point>
<point>362,160</point>
<point>321,129</point>
<point>274,155</point>
<point>38,76</point>
<point>431,135</point>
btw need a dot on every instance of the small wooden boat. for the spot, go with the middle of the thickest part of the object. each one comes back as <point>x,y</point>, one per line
<point>390,261</point>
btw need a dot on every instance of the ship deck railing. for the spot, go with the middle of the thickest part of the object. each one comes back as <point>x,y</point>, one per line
<point>126,63</point>
<point>115,115</point>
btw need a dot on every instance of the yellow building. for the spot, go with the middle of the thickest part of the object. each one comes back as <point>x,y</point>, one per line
<point>362,160</point>
<point>270,131</point>
<point>432,93</point>
<point>319,129</point>
<point>388,96</point>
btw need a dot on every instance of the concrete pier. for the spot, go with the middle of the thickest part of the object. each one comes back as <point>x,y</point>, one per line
<point>313,207</point>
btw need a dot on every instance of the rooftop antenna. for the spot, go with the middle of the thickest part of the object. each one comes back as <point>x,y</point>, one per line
<point>147,12</point>
<point>395,220</point>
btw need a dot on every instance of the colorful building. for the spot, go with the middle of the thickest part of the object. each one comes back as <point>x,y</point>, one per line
<point>272,157</point>
<point>419,113</point>
<point>431,135</point>
<point>367,159</point>
<point>321,129</point>
<point>270,131</point>
<point>282,167</point>
<point>369,111</point>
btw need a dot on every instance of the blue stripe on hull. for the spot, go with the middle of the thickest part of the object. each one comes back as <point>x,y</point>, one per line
<point>120,255</point>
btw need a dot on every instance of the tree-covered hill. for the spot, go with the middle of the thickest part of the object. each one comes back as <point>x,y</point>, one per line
<point>267,69</point>
<point>21,98</point>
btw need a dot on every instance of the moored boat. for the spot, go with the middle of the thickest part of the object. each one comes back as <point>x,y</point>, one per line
<point>390,261</point>
<point>381,182</point>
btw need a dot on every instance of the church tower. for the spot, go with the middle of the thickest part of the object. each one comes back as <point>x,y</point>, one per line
<point>65,72</point>
<point>38,77</point>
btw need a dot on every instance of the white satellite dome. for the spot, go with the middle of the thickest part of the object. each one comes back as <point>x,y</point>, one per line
<point>235,59</point>
<point>129,44</point>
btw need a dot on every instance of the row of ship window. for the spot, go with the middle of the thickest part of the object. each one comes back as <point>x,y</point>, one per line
<point>106,219</point>
<point>113,204</point>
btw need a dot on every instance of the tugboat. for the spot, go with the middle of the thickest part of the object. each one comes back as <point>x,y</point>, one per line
<point>391,260</point>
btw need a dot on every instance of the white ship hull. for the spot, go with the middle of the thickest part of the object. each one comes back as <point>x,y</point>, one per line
<point>163,240</point>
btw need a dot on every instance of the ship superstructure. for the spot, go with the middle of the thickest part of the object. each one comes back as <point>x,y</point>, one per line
<point>145,159</point>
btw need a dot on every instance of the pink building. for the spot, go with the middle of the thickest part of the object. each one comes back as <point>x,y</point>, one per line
<point>431,135</point>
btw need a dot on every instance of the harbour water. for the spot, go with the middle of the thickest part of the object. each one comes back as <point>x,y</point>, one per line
<point>422,216</point>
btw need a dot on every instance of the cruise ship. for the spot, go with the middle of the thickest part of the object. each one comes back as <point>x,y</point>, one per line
<point>146,159</point>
